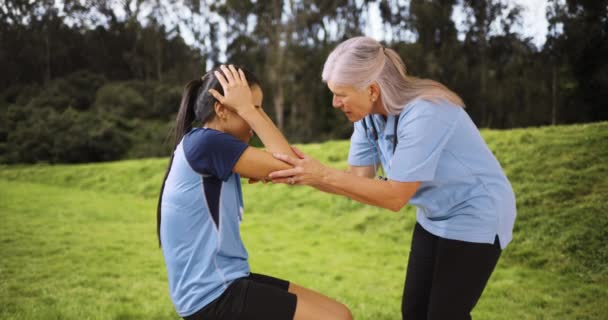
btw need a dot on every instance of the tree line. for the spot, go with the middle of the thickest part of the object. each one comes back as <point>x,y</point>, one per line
<point>101,80</point>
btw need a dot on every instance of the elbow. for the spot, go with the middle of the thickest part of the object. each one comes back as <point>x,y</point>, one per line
<point>396,204</point>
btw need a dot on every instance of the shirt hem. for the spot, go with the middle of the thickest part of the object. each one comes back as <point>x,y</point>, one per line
<point>204,302</point>
<point>487,237</point>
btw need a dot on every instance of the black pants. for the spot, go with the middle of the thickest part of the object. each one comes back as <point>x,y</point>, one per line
<point>445,278</point>
<point>251,298</point>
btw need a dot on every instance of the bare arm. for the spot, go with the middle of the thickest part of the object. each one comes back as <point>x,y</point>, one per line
<point>254,163</point>
<point>258,164</point>
<point>237,96</point>
<point>262,125</point>
<point>362,171</point>
<point>392,195</point>
<point>359,171</point>
<point>357,185</point>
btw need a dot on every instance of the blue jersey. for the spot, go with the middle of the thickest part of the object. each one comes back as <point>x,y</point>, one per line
<point>464,193</point>
<point>202,206</point>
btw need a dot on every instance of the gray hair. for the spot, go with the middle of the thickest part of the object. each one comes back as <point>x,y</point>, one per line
<point>361,61</point>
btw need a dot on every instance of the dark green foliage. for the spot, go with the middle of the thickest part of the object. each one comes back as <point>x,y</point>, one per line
<point>120,99</point>
<point>44,134</point>
<point>150,139</point>
<point>76,90</point>
<point>117,67</point>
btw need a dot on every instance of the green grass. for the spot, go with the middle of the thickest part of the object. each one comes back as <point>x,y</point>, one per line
<point>78,241</point>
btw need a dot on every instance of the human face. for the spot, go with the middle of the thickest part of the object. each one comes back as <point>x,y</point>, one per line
<point>236,125</point>
<point>356,104</point>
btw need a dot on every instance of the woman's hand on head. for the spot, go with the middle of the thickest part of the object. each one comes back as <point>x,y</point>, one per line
<point>305,171</point>
<point>237,93</point>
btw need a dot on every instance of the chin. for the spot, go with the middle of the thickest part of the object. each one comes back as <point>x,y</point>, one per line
<point>246,138</point>
<point>354,118</point>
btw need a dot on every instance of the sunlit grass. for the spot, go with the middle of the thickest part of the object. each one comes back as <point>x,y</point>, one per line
<point>79,242</point>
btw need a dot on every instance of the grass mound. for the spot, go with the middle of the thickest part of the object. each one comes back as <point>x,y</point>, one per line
<point>78,241</point>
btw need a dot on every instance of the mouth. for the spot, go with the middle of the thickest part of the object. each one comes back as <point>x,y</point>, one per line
<point>352,117</point>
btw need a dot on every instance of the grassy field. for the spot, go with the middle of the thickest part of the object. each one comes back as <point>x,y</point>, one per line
<point>79,242</point>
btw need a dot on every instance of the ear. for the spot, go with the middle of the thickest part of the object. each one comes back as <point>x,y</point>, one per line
<point>374,91</point>
<point>220,111</point>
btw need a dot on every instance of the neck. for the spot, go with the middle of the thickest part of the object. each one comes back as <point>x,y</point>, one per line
<point>378,107</point>
<point>213,124</point>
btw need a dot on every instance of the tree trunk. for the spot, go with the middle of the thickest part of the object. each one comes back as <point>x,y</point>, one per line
<point>276,67</point>
<point>159,59</point>
<point>554,96</point>
<point>483,90</point>
<point>47,43</point>
<point>279,105</point>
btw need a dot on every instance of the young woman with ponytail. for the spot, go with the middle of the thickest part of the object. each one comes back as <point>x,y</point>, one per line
<point>200,207</point>
<point>435,158</point>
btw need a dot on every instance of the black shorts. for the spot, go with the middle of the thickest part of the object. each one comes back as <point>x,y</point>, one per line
<point>254,297</point>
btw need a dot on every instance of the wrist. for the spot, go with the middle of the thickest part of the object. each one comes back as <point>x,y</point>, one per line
<point>326,176</point>
<point>246,110</point>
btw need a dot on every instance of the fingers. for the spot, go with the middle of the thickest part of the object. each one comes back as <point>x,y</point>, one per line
<point>217,95</point>
<point>289,181</point>
<point>228,74</point>
<point>284,173</point>
<point>298,153</point>
<point>285,158</point>
<point>243,78</point>
<point>221,79</point>
<point>235,74</point>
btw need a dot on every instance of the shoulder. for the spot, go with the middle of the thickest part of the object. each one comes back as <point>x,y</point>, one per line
<point>204,135</point>
<point>204,138</point>
<point>209,143</point>
<point>439,110</point>
<point>212,151</point>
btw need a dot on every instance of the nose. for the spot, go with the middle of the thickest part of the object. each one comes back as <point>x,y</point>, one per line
<point>336,102</point>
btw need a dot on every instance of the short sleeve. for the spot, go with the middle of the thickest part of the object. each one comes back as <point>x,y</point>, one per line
<point>213,152</point>
<point>361,148</point>
<point>423,133</point>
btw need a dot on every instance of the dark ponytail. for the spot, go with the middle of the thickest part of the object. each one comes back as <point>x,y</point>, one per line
<point>185,115</point>
<point>183,124</point>
<point>197,105</point>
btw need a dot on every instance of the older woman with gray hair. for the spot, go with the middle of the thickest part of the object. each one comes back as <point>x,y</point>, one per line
<point>434,157</point>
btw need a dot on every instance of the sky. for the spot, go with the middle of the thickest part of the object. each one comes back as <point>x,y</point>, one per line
<point>534,22</point>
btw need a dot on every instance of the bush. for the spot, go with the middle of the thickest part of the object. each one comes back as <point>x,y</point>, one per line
<point>77,90</point>
<point>138,99</point>
<point>119,99</point>
<point>151,139</point>
<point>45,135</point>
<point>166,102</point>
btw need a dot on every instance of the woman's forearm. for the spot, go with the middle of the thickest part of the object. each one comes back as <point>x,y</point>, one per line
<point>389,194</point>
<point>262,125</point>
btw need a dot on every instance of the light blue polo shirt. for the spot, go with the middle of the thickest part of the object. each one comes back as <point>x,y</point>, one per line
<point>201,210</point>
<point>464,193</point>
